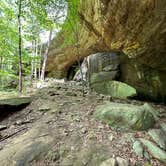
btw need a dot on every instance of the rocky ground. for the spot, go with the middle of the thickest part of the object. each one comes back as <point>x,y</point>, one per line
<point>58,128</point>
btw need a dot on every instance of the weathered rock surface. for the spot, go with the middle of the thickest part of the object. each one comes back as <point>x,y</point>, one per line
<point>27,147</point>
<point>136,28</point>
<point>159,137</point>
<point>14,102</point>
<point>122,162</point>
<point>66,133</point>
<point>138,149</point>
<point>11,105</point>
<point>154,150</point>
<point>115,89</point>
<point>125,116</point>
<point>163,127</point>
<point>102,77</point>
<point>104,61</point>
<point>109,162</point>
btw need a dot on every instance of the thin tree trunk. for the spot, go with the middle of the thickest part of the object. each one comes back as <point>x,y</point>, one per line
<point>1,68</point>
<point>78,59</point>
<point>45,57</point>
<point>40,59</point>
<point>35,64</point>
<point>32,62</point>
<point>20,47</point>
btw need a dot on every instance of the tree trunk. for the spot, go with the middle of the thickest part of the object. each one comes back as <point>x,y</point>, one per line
<point>40,54</point>
<point>20,47</point>
<point>35,58</point>
<point>32,62</point>
<point>45,57</point>
<point>78,58</point>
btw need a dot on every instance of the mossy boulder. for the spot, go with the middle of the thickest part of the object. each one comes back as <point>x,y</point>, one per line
<point>15,101</point>
<point>103,76</point>
<point>115,89</point>
<point>8,106</point>
<point>126,116</point>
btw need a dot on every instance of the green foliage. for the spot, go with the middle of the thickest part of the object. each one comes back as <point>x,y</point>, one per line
<point>70,27</point>
<point>37,16</point>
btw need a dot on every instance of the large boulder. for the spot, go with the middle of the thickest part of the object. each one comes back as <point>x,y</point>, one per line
<point>149,82</point>
<point>102,76</point>
<point>126,116</point>
<point>14,102</point>
<point>115,89</point>
<point>103,66</point>
<point>10,105</point>
<point>104,61</point>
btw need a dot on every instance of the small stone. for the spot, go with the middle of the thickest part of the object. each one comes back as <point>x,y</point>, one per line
<point>159,137</point>
<point>163,127</point>
<point>122,162</point>
<point>109,162</point>
<point>154,150</point>
<point>83,130</point>
<point>137,163</point>
<point>111,137</point>
<point>18,122</point>
<point>44,108</point>
<point>138,149</point>
<point>65,133</point>
<point>146,155</point>
<point>3,127</point>
<point>21,122</point>
<point>100,127</point>
<point>70,94</point>
<point>77,119</point>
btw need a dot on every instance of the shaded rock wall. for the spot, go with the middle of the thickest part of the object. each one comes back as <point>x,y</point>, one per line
<point>137,28</point>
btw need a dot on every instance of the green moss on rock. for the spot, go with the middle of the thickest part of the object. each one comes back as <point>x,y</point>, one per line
<point>115,89</point>
<point>125,116</point>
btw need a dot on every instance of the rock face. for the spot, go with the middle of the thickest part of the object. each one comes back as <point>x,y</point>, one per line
<point>125,116</point>
<point>28,147</point>
<point>154,150</point>
<point>103,67</point>
<point>115,89</point>
<point>159,137</point>
<point>136,28</point>
<point>8,106</point>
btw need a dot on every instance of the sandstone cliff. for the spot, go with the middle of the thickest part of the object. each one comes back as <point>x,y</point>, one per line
<point>136,28</point>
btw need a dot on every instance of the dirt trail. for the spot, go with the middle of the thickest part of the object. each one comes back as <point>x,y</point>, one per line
<point>58,128</point>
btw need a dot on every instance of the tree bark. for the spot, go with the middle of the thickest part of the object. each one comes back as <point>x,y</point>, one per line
<point>32,61</point>
<point>19,46</point>
<point>35,56</point>
<point>42,77</point>
<point>40,54</point>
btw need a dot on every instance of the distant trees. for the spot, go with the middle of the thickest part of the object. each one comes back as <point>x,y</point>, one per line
<point>21,46</point>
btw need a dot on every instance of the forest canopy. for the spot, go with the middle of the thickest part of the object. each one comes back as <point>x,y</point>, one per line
<point>24,35</point>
